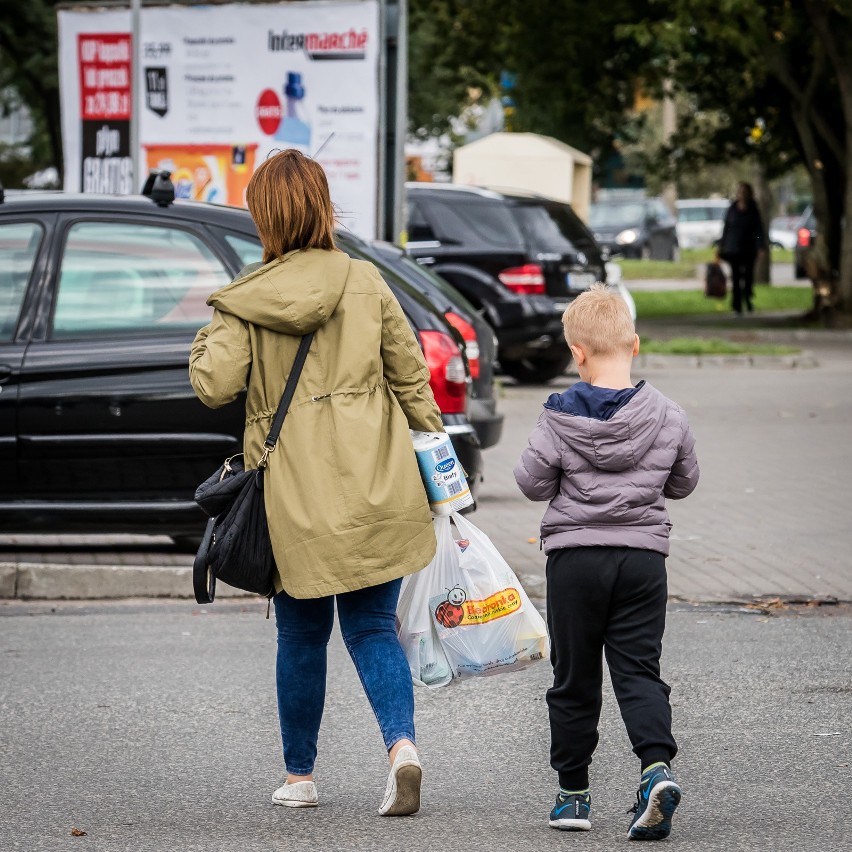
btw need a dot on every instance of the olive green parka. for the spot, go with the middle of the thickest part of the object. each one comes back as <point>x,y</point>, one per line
<point>345,502</point>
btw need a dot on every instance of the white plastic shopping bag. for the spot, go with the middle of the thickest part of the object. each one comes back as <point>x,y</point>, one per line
<point>414,625</point>
<point>481,618</point>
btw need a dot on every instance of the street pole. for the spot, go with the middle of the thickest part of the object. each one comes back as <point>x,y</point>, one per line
<point>401,115</point>
<point>135,88</point>
<point>393,119</point>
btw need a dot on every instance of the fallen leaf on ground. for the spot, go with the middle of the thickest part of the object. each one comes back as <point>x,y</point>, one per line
<point>78,832</point>
<point>532,540</point>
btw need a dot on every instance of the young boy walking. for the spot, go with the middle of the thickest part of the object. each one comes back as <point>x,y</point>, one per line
<point>606,454</point>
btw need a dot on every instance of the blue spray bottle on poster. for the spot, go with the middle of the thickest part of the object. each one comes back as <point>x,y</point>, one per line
<point>293,128</point>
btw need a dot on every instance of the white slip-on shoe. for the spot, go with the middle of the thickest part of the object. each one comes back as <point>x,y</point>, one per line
<point>402,794</point>
<point>302,794</point>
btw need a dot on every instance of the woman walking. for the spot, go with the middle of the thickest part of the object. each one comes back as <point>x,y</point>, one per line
<point>741,241</point>
<point>347,511</point>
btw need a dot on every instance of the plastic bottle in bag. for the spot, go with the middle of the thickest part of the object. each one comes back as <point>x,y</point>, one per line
<point>442,474</point>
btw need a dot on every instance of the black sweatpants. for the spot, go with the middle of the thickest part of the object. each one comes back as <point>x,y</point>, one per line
<point>610,599</point>
<point>742,281</point>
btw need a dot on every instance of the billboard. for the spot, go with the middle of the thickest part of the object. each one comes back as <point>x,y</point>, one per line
<point>221,88</point>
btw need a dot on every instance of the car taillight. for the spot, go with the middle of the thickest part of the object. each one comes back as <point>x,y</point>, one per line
<point>447,375</point>
<point>526,280</point>
<point>471,344</point>
<point>804,237</point>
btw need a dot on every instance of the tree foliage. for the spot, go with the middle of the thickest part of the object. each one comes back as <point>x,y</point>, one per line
<point>784,63</point>
<point>28,66</point>
<point>568,58</point>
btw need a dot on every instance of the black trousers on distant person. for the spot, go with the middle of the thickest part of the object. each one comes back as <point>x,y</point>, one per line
<point>610,599</point>
<point>742,280</point>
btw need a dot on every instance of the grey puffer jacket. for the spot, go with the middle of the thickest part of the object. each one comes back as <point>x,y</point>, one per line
<point>607,479</point>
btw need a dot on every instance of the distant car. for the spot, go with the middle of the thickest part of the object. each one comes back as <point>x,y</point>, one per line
<point>700,221</point>
<point>100,298</point>
<point>635,228</point>
<point>782,232</point>
<point>806,230</point>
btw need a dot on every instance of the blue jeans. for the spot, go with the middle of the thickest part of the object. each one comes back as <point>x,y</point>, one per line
<point>368,624</point>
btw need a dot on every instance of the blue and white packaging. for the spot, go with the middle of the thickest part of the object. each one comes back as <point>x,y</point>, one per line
<point>442,474</point>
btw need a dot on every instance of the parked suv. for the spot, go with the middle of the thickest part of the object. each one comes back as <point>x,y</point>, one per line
<point>100,298</point>
<point>518,258</point>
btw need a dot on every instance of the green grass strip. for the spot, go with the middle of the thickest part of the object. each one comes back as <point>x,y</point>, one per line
<point>638,270</point>
<point>685,303</point>
<point>712,346</point>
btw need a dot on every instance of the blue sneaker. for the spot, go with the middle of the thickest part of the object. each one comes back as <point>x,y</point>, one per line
<point>572,812</point>
<point>656,801</point>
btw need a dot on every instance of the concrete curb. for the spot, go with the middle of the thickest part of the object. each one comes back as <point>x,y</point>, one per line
<point>34,581</point>
<point>55,581</point>
<point>800,361</point>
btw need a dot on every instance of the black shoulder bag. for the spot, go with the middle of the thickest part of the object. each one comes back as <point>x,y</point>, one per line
<point>236,547</point>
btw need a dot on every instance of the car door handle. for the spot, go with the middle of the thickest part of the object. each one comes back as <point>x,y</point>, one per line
<point>5,373</point>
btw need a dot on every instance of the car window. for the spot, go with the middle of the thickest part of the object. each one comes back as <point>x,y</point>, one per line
<point>19,244</point>
<point>616,215</point>
<point>419,229</point>
<point>247,249</point>
<point>470,219</point>
<point>541,229</point>
<point>698,214</point>
<point>661,212</point>
<point>125,276</point>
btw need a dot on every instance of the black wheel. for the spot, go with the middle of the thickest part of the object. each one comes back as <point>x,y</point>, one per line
<point>536,369</point>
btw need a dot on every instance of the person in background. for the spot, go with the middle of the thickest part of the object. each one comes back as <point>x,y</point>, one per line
<point>606,454</point>
<point>348,514</point>
<point>741,241</point>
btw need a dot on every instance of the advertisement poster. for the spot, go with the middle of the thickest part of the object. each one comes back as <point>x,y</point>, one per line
<point>222,87</point>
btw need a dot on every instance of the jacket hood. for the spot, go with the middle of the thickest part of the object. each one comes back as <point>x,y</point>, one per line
<point>618,443</point>
<point>294,294</point>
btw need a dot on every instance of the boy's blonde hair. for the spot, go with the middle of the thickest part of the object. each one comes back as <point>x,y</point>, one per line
<point>599,321</point>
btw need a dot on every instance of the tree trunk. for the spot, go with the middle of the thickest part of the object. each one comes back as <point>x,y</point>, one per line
<point>833,28</point>
<point>763,197</point>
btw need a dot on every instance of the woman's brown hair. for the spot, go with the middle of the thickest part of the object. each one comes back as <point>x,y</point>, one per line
<point>289,201</point>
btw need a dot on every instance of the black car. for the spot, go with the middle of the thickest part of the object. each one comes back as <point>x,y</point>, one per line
<point>635,227</point>
<point>100,298</point>
<point>470,237</point>
<point>478,338</point>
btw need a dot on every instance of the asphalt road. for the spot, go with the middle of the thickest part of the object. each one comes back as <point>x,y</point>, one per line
<point>152,726</point>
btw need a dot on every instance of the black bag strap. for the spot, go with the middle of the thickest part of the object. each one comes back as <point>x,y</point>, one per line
<point>286,399</point>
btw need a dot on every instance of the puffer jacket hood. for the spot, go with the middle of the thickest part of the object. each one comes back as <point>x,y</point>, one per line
<point>615,444</point>
<point>292,295</point>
